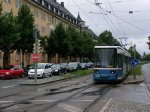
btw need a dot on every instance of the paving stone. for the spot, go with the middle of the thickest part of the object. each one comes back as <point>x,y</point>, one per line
<point>117,105</point>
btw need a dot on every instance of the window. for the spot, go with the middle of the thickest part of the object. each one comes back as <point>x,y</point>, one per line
<point>17,55</point>
<point>26,56</point>
<point>0,55</point>
<point>7,1</point>
<point>36,26</point>
<point>18,3</point>
<point>43,29</point>
<point>28,5</point>
<point>36,12</point>
<point>43,16</point>
<point>50,19</point>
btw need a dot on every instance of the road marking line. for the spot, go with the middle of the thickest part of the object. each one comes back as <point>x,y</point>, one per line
<point>44,100</point>
<point>6,101</point>
<point>82,100</point>
<point>9,86</point>
<point>106,105</point>
<point>70,108</point>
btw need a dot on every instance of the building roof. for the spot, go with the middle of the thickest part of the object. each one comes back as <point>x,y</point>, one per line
<point>60,7</point>
<point>79,18</point>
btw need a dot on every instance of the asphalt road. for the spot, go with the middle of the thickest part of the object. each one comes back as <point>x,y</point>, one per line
<point>79,102</point>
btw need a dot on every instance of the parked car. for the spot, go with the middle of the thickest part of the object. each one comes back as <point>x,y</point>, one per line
<point>57,69</point>
<point>83,66</point>
<point>26,69</point>
<point>43,70</point>
<point>11,71</point>
<point>65,67</point>
<point>73,66</point>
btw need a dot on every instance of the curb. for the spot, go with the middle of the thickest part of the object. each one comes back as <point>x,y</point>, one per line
<point>134,81</point>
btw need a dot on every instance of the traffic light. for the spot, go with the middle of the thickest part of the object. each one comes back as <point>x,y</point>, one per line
<point>34,50</point>
<point>37,48</point>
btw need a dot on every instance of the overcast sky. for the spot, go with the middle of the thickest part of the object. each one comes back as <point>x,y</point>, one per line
<point>114,15</point>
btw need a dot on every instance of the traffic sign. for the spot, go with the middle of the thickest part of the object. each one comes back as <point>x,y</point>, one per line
<point>35,57</point>
<point>134,62</point>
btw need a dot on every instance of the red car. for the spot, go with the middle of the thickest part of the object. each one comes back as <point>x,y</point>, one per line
<point>11,71</point>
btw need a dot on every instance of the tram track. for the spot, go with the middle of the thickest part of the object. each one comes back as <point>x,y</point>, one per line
<point>103,90</point>
<point>28,99</point>
<point>46,85</point>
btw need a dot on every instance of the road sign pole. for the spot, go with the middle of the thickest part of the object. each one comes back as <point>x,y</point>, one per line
<point>35,63</point>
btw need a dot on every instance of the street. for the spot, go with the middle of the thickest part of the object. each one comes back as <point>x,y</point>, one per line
<point>75,95</point>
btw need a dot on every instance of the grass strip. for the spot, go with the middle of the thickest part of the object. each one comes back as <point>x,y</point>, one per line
<point>78,73</point>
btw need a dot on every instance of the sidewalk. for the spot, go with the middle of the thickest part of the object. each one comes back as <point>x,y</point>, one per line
<point>132,80</point>
<point>127,104</point>
<point>116,105</point>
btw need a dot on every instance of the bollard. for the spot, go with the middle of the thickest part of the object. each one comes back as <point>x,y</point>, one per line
<point>134,76</point>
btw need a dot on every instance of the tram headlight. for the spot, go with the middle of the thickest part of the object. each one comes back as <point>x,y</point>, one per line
<point>113,71</point>
<point>96,71</point>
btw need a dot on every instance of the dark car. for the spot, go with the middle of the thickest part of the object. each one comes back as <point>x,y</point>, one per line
<point>26,69</point>
<point>57,69</point>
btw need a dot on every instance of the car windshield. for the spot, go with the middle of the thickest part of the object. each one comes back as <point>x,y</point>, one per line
<point>9,67</point>
<point>56,66</point>
<point>39,66</point>
<point>73,64</point>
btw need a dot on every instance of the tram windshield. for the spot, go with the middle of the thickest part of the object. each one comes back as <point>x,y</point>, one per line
<point>105,58</point>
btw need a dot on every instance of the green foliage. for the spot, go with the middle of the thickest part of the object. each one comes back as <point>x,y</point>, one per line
<point>8,35</point>
<point>136,70</point>
<point>78,73</point>
<point>106,38</point>
<point>59,40</point>
<point>134,53</point>
<point>26,28</point>
<point>1,8</point>
<point>76,42</point>
<point>148,42</point>
<point>88,46</point>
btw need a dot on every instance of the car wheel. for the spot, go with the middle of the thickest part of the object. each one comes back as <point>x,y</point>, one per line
<point>43,76</point>
<point>13,76</point>
<point>22,75</point>
<point>50,75</point>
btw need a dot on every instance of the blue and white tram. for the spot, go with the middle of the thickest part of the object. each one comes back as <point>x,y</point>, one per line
<point>111,63</point>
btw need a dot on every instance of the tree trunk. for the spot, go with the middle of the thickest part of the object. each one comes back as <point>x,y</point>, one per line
<point>6,57</point>
<point>22,59</point>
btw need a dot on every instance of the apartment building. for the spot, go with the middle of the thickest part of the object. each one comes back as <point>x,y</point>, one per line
<point>47,14</point>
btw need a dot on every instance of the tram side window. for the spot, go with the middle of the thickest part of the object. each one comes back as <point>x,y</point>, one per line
<point>120,61</point>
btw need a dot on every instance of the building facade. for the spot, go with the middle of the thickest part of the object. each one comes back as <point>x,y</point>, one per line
<point>47,14</point>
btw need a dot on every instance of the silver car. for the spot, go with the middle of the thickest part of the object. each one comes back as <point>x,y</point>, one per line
<point>43,70</point>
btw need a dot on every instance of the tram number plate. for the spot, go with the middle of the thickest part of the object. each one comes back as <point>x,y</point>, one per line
<point>104,75</point>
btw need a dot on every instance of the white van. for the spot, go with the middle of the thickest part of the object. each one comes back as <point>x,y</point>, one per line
<point>43,70</point>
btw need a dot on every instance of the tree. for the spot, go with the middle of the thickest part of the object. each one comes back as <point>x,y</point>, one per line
<point>134,52</point>
<point>76,42</point>
<point>148,42</point>
<point>106,38</point>
<point>8,35</point>
<point>26,28</point>
<point>57,42</point>
<point>88,46</point>
<point>1,8</point>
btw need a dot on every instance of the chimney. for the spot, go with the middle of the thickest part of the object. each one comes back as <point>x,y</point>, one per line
<point>62,4</point>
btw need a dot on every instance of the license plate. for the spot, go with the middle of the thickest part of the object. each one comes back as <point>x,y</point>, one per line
<point>103,76</point>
